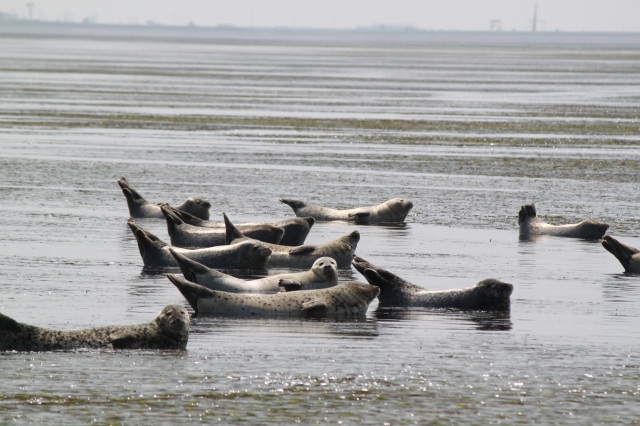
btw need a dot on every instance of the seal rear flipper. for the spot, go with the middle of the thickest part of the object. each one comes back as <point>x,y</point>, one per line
<point>173,221</point>
<point>128,190</point>
<point>294,204</point>
<point>526,212</point>
<point>232,233</point>
<point>300,250</point>
<point>622,252</point>
<point>289,284</point>
<point>314,308</point>
<point>8,324</point>
<point>190,267</point>
<point>191,291</point>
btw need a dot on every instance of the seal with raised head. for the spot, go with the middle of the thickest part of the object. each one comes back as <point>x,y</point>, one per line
<point>155,253</point>
<point>323,274</point>
<point>169,330</point>
<point>341,250</point>
<point>188,236</point>
<point>295,229</point>
<point>391,211</point>
<point>628,256</point>
<point>346,300</point>
<point>141,208</point>
<point>489,294</point>
<point>532,226</point>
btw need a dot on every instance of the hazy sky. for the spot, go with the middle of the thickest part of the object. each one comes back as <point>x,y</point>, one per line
<point>563,15</point>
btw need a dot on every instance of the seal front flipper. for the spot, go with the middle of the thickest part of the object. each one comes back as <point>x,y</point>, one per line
<point>289,284</point>
<point>360,216</point>
<point>301,250</point>
<point>314,308</point>
<point>123,340</point>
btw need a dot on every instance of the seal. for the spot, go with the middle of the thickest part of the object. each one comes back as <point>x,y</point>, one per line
<point>532,226</point>
<point>141,208</point>
<point>302,257</point>
<point>346,300</point>
<point>391,211</point>
<point>488,294</point>
<point>188,236</point>
<point>323,274</point>
<point>295,229</point>
<point>169,330</point>
<point>155,253</point>
<point>628,256</point>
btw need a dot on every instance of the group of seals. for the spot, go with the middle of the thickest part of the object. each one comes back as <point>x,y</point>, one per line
<point>169,330</point>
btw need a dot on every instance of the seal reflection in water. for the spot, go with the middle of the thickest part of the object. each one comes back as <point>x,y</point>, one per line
<point>347,300</point>
<point>323,274</point>
<point>139,207</point>
<point>489,294</point>
<point>628,256</point>
<point>169,330</point>
<point>394,210</point>
<point>531,226</point>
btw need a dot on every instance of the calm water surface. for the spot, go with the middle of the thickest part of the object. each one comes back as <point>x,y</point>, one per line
<point>467,126</point>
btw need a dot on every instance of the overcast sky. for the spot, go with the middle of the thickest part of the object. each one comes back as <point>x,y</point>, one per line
<point>562,15</point>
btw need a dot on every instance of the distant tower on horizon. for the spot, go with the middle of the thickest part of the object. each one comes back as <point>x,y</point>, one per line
<point>30,8</point>
<point>534,23</point>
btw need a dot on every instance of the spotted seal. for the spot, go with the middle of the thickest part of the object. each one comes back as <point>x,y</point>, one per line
<point>346,300</point>
<point>488,294</point>
<point>323,274</point>
<point>141,208</point>
<point>391,211</point>
<point>532,226</point>
<point>188,236</point>
<point>295,229</point>
<point>628,256</point>
<point>341,249</point>
<point>155,253</point>
<point>169,330</point>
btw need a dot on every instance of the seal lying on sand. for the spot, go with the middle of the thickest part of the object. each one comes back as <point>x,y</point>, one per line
<point>394,210</point>
<point>323,274</point>
<point>531,226</point>
<point>394,291</point>
<point>169,330</point>
<point>350,299</point>
<point>139,207</point>
<point>295,229</point>
<point>155,253</point>
<point>341,250</point>
<point>627,255</point>
<point>184,235</point>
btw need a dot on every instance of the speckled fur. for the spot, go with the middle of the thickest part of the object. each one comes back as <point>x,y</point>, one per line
<point>391,211</point>
<point>169,330</point>
<point>350,299</point>
<point>488,294</point>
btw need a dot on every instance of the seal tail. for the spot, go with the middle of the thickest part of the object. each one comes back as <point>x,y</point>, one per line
<point>294,204</point>
<point>621,251</point>
<point>190,268</point>
<point>526,212</point>
<point>191,291</point>
<point>232,233</point>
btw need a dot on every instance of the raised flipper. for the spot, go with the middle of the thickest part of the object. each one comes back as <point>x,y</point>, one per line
<point>289,284</point>
<point>300,250</point>
<point>526,212</point>
<point>232,233</point>
<point>621,251</point>
<point>191,291</point>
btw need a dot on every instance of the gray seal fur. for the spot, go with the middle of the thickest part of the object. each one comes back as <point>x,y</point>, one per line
<point>391,211</point>
<point>346,300</point>
<point>155,253</point>
<point>489,294</point>
<point>169,330</point>
<point>323,274</point>
<point>295,229</point>
<point>188,236</point>
<point>141,208</point>
<point>340,249</point>
<point>532,226</point>
<point>628,256</point>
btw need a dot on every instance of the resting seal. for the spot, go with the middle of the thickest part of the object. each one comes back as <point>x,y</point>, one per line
<point>184,235</point>
<point>155,253</point>
<point>323,274</point>
<point>488,294</point>
<point>169,330</point>
<point>394,210</point>
<point>295,229</point>
<point>627,255</point>
<point>350,299</point>
<point>341,249</point>
<point>532,226</point>
<point>139,207</point>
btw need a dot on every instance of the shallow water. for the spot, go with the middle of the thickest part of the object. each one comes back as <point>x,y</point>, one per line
<point>469,127</point>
